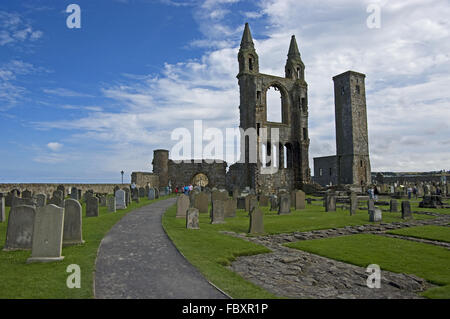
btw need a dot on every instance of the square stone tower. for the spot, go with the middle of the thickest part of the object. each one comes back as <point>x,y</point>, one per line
<point>352,141</point>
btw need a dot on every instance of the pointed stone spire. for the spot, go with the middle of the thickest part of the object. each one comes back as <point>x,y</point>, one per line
<point>294,53</point>
<point>247,40</point>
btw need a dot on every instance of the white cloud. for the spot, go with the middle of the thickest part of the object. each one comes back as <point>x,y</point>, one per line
<point>15,29</point>
<point>54,146</point>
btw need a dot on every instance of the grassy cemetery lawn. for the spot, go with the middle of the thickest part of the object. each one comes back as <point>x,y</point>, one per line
<point>210,251</point>
<point>397,255</point>
<point>40,280</point>
<point>415,207</point>
<point>439,233</point>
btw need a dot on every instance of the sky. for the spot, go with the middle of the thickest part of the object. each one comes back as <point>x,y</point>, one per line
<point>81,105</point>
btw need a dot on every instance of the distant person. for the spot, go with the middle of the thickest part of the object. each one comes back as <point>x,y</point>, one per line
<point>376,193</point>
<point>409,190</point>
<point>191,188</point>
<point>415,192</point>
<point>176,190</point>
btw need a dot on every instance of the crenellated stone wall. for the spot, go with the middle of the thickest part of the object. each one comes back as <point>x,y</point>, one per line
<point>37,188</point>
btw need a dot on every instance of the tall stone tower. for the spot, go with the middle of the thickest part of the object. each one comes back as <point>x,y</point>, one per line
<point>161,166</point>
<point>293,171</point>
<point>352,142</point>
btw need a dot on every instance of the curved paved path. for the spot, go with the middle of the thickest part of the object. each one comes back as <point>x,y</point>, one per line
<point>137,260</point>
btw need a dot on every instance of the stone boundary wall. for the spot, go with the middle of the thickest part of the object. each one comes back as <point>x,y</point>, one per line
<point>37,188</point>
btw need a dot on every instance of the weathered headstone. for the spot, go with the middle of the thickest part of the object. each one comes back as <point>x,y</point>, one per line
<point>127,196</point>
<point>250,202</point>
<point>256,221</point>
<point>102,201</point>
<point>192,219</point>
<point>235,193</point>
<point>230,206</point>
<point>274,203</point>
<point>62,189</point>
<point>371,204</point>
<point>19,233</point>
<point>284,206</point>
<point>17,201</point>
<point>92,207</point>
<point>241,203</point>
<point>74,193</point>
<point>47,234</point>
<point>57,198</point>
<point>111,204</point>
<point>135,195</point>
<point>182,205</point>
<point>263,200</point>
<point>73,234</point>
<point>406,210</point>
<point>300,200</point>
<point>2,210</point>
<point>393,206</point>
<point>26,194</point>
<point>219,195</point>
<point>353,203</point>
<point>201,203</point>
<point>141,192</point>
<point>41,200</point>
<point>375,215</point>
<point>120,199</point>
<point>330,202</point>
<point>218,212</point>
<point>151,194</point>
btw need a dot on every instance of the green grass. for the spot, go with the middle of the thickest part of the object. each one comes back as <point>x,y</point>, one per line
<point>439,233</point>
<point>31,281</point>
<point>415,207</point>
<point>397,255</point>
<point>312,218</point>
<point>211,252</point>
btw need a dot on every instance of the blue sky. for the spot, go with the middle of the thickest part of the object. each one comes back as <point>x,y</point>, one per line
<point>80,105</point>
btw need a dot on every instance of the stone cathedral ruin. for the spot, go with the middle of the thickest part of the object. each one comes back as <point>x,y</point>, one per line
<point>351,165</point>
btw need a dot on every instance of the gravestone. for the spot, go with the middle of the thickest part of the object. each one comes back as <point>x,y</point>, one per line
<point>111,204</point>
<point>353,203</point>
<point>2,210</point>
<point>19,233</point>
<point>431,201</point>
<point>120,199</point>
<point>92,207</point>
<point>192,219</point>
<point>219,195</point>
<point>230,206</point>
<point>330,202</point>
<point>47,234</point>
<point>182,205</point>
<point>57,199</point>
<point>241,203</point>
<point>26,194</point>
<point>273,203</point>
<point>41,200</point>
<point>263,200</point>
<point>151,194</point>
<point>102,201</point>
<point>141,192</point>
<point>62,190</point>
<point>250,202</point>
<point>235,193</point>
<point>17,201</point>
<point>375,215</point>
<point>201,203</point>
<point>406,210</point>
<point>218,212</point>
<point>371,204</point>
<point>393,206</point>
<point>79,194</point>
<point>116,188</point>
<point>256,221</point>
<point>300,200</point>
<point>135,195</point>
<point>127,196</point>
<point>74,193</point>
<point>73,234</point>
<point>156,193</point>
<point>284,206</point>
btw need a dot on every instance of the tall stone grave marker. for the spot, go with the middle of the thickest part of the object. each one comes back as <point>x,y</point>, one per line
<point>218,212</point>
<point>406,210</point>
<point>151,193</point>
<point>62,190</point>
<point>2,210</point>
<point>26,194</point>
<point>264,200</point>
<point>74,193</point>
<point>41,200</point>
<point>273,203</point>
<point>353,203</point>
<point>19,233</point>
<point>256,221</point>
<point>393,206</point>
<point>92,207</point>
<point>111,204</point>
<point>120,199</point>
<point>73,234</point>
<point>300,200</point>
<point>230,206</point>
<point>284,206</point>
<point>241,203</point>
<point>330,202</point>
<point>375,215</point>
<point>192,221</point>
<point>201,203</point>
<point>182,205</point>
<point>47,234</point>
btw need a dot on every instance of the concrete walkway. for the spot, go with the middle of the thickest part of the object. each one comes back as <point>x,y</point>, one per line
<point>137,260</point>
